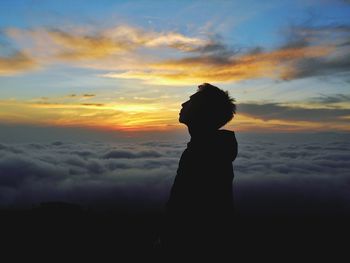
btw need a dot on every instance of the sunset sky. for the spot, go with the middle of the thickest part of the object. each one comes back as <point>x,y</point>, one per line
<point>90,94</point>
<point>128,65</point>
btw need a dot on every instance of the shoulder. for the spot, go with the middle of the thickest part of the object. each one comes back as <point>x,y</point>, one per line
<point>227,136</point>
<point>226,145</point>
<point>225,132</point>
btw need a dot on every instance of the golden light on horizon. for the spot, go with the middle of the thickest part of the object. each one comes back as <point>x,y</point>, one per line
<point>118,116</point>
<point>129,116</point>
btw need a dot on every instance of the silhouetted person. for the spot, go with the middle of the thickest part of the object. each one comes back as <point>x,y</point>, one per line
<point>199,212</point>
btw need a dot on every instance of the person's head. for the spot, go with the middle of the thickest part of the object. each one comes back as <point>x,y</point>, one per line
<point>209,108</point>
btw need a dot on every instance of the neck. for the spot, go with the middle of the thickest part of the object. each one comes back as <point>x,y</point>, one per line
<point>197,132</point>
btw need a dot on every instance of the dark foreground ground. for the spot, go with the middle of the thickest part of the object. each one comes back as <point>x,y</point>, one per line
<point>68,232</point>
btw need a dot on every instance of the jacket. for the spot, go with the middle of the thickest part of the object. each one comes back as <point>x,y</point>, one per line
<point>203,183</point>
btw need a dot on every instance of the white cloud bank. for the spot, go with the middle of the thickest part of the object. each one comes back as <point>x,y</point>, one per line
<point>270,175</point>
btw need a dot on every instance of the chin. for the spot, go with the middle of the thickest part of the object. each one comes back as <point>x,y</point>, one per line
<point>181,120</point>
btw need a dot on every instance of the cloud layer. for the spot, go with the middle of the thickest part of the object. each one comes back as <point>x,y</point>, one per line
<point>17,62</point>
<point>280,173</point>
<point>173,58</point>
<point>85,173</point>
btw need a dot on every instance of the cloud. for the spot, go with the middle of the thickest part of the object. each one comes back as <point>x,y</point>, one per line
<point>293,175</point>
<point>276,64</point>
<point>115,154</point>
<point>271,111</point>
<point>336,36</point>
<point>308,51</point>
<point>331,99</point>
<point>91,173</point>
<point>80,96</point>
<point>76,47</point>
<point>78,44</point>
<point>119,47</point>
<point>93,104</point>
<point>17,63</point>
<point>281,173</point>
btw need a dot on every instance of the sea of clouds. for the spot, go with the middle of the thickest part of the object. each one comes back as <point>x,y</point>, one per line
<point>284,173</point>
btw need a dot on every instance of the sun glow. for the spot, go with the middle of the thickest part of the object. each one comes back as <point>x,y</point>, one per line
<point>118,116</point>
<point>130,116</point>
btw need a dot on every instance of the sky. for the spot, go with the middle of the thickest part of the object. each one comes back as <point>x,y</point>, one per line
<point>90,93</point>
<point>126,66</point>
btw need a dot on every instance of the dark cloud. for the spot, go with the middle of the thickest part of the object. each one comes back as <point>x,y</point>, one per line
<point>214,46</point>
<point>322,66</point>
<point>58,143</point>
<point>17,170</point>
<point>83,153</point>
<point>92,104</point>
<point>89,95</point>
<point>131,155</point>
<point>35,146</point>
<point>210,60</point>
<point>336,98</point>
<point>335,36</point>
<point>82,95</point>
<point>276,111</point>
<point>10,149</point>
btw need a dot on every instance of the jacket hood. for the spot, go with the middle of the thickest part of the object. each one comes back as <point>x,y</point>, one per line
<point>221,142</point>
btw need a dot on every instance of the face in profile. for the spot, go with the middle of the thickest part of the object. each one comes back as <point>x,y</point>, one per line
<point>184,112</point>
<point>189,110</point>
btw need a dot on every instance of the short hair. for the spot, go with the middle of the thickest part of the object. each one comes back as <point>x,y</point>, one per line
<point>218,108</point>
